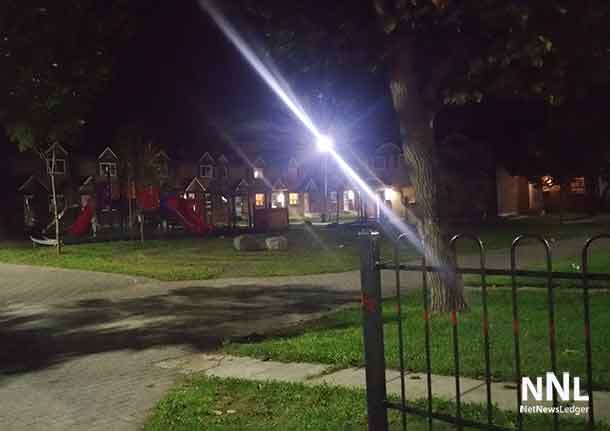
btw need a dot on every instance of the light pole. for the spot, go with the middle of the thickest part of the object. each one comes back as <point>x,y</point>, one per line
<point>325,145</point>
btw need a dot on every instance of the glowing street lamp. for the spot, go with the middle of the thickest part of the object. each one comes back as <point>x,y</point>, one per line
<point>324,143</point>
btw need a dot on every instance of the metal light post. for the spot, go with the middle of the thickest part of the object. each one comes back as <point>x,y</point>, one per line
<point>325,166</point>
<point>325,144</point>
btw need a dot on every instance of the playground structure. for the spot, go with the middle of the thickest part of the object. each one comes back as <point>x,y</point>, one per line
<point>189,213</point>
<point>155,212</point>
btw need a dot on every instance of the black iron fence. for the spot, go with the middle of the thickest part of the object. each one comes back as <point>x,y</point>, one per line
<point>378,403</point>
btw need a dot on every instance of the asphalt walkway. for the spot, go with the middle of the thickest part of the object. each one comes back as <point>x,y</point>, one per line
<point>78,348</point>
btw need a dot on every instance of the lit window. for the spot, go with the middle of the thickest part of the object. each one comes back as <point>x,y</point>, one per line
<point>206,171</point>
<point>388,194</point>
<point>108,168</point>
<point>259,200</point>
<point>279,200</point>
<point>60,166</point>
<point>258,173</point>
<point>293,198</point>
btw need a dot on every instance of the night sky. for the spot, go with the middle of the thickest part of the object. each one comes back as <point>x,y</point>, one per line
<point>180,74</point>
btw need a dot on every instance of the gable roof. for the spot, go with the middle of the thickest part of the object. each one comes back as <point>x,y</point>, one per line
<point>279,185</point>
<point>310,185</point>
<point>162,153</point>
<point>110,152</point>
<point>58,146</point>
<point>194,183</point>
<point>259,162</point>
<point>242,184</point>
<point>29,181</point>
<point>206,158</point>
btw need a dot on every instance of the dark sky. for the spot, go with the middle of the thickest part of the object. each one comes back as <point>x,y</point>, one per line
<point>179,73</point>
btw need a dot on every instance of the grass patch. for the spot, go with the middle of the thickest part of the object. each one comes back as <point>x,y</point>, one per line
<point>337,339</point>
<point>599,262</point>
<point>235,405</point>
<point>312,250</point>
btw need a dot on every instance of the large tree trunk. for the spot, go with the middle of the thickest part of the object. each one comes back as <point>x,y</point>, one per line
<point>415,99</point>
<point>447,289</point>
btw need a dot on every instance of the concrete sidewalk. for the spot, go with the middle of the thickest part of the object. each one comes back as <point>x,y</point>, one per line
<point>504,394</point>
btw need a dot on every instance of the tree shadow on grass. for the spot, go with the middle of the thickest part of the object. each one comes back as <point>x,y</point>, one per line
<point>200,318</point>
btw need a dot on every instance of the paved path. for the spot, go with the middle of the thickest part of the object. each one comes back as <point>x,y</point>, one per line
<point>77,348</point>
<point>504,394</point>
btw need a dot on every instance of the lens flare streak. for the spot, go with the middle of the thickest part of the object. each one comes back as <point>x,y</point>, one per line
<point>281,88</point>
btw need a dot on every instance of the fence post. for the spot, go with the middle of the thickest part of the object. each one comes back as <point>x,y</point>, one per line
<point>374,356</point>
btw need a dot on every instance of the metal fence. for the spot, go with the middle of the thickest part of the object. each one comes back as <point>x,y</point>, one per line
<point>378,403</point>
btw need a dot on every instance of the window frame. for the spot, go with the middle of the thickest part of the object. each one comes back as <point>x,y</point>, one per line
<point>258,173</point>
<point>202,171</point>
<point>294,202</point>
<point>57,160</point>
<point>112,169</point>
<point>263,200</point>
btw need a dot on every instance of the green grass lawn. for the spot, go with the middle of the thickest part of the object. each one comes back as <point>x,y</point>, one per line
<point>312,250</point>
<point>206,404</point>
<point>337,339</point>
<point>599,262</point>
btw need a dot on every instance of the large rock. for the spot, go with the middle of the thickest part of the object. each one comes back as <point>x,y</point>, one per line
<point>276,243</point>
<point>248,243</point>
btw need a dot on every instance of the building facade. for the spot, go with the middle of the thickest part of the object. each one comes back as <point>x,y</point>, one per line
<point>231,187</point>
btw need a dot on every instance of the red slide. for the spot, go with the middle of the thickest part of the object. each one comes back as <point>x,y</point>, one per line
<point>183,209</point>
<point>83,222</point>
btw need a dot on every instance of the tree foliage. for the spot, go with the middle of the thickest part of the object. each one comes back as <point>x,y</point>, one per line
<point>56,58</point>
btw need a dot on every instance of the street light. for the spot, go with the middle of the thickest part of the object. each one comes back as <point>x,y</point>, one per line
<point>325,144</point>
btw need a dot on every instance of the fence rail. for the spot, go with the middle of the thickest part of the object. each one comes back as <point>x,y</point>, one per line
<point>371,266</point>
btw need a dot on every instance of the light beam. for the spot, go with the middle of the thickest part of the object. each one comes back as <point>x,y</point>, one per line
<point>281,88</point>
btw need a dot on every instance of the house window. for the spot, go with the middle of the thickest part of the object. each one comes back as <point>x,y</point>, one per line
<point>332,196</point>
<point>259,200</point>
<point>278,200</point>
<point>60,166</point>
<point>108,168</point>
<point>206,171</point>
<point>61,203</point>
<point>293,198</point>
<point>349,200</point>
<point>258,172</point>
<point>577,186</point>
